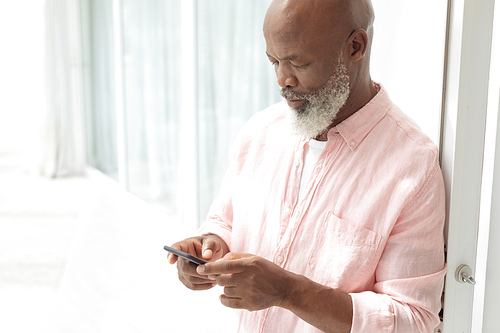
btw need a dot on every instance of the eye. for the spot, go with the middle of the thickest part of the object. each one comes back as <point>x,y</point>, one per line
<point>300,66</point>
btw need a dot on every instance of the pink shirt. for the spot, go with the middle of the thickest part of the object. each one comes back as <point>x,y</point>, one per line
<point>370,222</point>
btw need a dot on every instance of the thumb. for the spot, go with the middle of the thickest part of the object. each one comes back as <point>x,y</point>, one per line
<point>209,248</point>
<point>172,259</point>
<point>235,255</point>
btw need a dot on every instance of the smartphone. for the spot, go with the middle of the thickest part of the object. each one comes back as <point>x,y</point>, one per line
<point>193,259</point>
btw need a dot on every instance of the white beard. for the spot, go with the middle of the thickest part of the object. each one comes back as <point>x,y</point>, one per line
<point>321,107</point>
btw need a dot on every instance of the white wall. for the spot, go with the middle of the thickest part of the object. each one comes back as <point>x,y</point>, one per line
<point>407,57</point>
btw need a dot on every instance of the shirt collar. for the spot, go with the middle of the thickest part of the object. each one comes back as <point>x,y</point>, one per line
<point>355,128</point>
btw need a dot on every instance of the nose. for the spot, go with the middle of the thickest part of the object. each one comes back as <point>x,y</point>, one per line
<point>285,75</point>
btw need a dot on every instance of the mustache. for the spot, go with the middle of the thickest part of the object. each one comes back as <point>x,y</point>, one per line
<point>290,94</point>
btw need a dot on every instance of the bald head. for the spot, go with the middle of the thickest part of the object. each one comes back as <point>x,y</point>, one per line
<point>319,18</point>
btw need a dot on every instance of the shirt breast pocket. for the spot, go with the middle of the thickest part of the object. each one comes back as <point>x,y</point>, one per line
<point>343,254</point>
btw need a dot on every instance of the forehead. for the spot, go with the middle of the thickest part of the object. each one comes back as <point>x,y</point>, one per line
<point>304,29</point>
<point>287,42</point>
<point>294,48</point>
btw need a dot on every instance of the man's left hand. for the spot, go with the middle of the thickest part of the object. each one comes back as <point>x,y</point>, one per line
<point>250,282</point>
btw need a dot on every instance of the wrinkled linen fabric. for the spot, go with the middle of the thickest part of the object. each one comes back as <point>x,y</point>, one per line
<point>369,223</point>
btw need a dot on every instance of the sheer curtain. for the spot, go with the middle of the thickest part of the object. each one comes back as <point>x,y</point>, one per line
<point>235,80</point>
<point>63,150</point>
<point>98,53</point>
<point>151,44</point>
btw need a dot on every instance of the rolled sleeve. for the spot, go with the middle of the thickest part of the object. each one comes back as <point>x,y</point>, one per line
<point>414,311</point>
<point>410,275</point>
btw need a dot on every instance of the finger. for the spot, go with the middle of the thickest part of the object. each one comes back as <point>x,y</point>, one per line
<point>172,258</point>
<point>192,248</point>
<point>222,267</point>
<point>230,302</point>
<point>190,245</point>
<point>196,286</point>
<point>228,280</point>
<point>236,255</point>
<point>195,279</point>
<point>199,287</point>
<point>231,292</point>
<point>182,246</point>
<point>187,268</point>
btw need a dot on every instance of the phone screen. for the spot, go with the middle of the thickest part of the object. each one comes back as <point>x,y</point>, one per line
<point>185,255</point>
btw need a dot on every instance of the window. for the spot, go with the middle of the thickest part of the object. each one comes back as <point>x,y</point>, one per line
<point>142,130</point>
<point>233,81</point>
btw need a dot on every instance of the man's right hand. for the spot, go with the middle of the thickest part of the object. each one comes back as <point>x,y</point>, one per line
<point>210,248</point>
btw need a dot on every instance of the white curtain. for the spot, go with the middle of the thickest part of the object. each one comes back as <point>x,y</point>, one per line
<point>151,55</point>
<point>98,53</point>
<point>235,80</point>
<point>62,152</point>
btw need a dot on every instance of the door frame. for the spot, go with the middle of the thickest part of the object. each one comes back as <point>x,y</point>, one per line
<point>465,99</point>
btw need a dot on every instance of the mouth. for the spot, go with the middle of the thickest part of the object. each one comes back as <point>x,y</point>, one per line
<point>295,103</point>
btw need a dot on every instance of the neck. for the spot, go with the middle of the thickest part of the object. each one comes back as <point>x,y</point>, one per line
<point>357,99</point>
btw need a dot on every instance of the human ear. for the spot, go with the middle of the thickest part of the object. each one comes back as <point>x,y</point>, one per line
<point>357,45</point>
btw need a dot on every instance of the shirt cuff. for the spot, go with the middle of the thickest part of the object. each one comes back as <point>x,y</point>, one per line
<point>371,313</point>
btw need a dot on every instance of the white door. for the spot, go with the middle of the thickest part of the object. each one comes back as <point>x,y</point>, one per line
<point>465,109</point>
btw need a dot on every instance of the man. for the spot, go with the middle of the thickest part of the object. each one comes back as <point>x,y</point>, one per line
<point>330,216</point>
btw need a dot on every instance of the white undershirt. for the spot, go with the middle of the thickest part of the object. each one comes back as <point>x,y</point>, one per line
<point>313,150</point>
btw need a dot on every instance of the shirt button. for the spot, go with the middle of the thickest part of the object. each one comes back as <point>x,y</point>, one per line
<point>353,143</point>
<point>279,259</point>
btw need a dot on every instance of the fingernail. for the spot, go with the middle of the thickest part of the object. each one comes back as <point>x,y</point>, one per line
<point>200,269</point>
